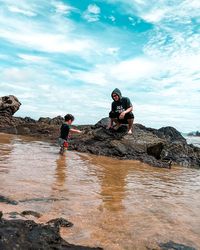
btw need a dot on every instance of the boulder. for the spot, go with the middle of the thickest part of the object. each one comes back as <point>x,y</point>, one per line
<point>9,105</point>
<point>160,147</point>
<point>27,234</point>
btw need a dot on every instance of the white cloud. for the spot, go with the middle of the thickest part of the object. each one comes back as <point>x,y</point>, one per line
<point>33,58</point>
<point>134,69</point>
<point>33,36</point>
<point>24,7</point>
<point>62,8</point>
<point>112,51</point>
<point>112,18</point>
<point>92,14</point>
<point>158,11</point>
<point>25,12</point>
<point>94,9</point>
<point>127,72</point>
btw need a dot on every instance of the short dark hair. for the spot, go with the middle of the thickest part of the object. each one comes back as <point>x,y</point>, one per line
<point>69,117</point>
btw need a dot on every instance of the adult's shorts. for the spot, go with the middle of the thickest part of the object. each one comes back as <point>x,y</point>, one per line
<point>127,116</point>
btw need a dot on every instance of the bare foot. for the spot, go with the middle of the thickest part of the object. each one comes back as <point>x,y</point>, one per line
<point>129,132</point>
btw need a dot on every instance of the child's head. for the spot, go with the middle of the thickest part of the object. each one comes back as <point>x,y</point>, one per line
<point>69,118</point>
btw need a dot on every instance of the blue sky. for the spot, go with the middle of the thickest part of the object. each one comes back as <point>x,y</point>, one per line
<point>64,56</point>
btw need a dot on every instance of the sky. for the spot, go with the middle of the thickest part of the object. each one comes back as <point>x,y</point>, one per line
<point>66,56</point>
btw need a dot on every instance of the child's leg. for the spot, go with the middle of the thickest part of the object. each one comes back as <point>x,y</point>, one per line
<point>63,147</point>
<point>61,150</point>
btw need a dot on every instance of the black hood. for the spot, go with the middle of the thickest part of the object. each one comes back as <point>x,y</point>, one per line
<point>117,92</point>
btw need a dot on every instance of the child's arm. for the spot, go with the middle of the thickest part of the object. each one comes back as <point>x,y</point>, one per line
<point>72,130</point>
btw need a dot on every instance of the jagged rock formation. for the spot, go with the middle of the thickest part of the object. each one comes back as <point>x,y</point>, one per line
<point>157,147</point>
<point>27,234</point>
<point>9,105</point>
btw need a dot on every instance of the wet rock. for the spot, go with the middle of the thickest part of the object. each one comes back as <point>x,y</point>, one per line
<point>13,215</point>
<point>29,212</point>
<point>175,246</point>
<point>43,199</point>
<point>7,200</point>
<point>26,234</point>
<point>59,222</point>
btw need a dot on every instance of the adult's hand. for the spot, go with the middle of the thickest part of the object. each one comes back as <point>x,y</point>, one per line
<point>121,116</point>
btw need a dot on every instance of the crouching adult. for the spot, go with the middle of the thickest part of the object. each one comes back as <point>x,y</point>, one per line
<point>121,111</point>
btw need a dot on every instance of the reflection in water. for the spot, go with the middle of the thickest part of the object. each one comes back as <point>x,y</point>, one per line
<point>112,181</point>
<point>114,204</point>
<point>113,189</point>
<point>6,147</point>
<point>60,172</point>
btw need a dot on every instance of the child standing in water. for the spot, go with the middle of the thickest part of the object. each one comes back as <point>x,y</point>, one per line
<point>65,129</point>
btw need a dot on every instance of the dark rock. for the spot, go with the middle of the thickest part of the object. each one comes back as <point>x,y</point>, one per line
<point>58,120</point>
<point>171,134</point>
<point>26,234</point>
<point>44,120</point>
<point>156,147</point>
<point>59,222</point>
<point>9,105</point>
<point>43,199</point>
<point>29,212</point>
<point>7,200</point>
<point>29,120</point>
<point>175,246</point>
<point>103,123</point>
<point>155,150</point>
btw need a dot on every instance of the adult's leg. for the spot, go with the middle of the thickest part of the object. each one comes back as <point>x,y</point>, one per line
<point>129,117</point>
<point>113,119</point>
<point>130,126</point>
<point>118,124</point>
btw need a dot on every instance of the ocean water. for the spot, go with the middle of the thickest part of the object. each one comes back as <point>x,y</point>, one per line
<point>195,140</point>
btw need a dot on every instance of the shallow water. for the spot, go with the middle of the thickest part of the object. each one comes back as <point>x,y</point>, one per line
<point>113,204</point>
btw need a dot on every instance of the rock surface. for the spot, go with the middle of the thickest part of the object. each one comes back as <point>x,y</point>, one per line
<point>27,234</point>
<point>158,147</point>
<point>9,105</point>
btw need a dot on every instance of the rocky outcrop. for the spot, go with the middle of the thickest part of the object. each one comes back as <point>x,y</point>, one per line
<point>158,147</point>
<point>26,234</point>
<point>9,105</point>
<point>161,147</point>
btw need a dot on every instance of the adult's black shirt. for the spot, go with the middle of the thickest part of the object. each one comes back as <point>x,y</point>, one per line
<point>123,104</point>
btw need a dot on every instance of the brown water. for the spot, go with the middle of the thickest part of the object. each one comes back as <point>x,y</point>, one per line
<point>113,204</point>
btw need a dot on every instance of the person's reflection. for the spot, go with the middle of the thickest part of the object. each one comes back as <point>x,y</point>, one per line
<point>113,188</point>
<point>60,171</point>
<point>112,178</point>
<point>7,142</point>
